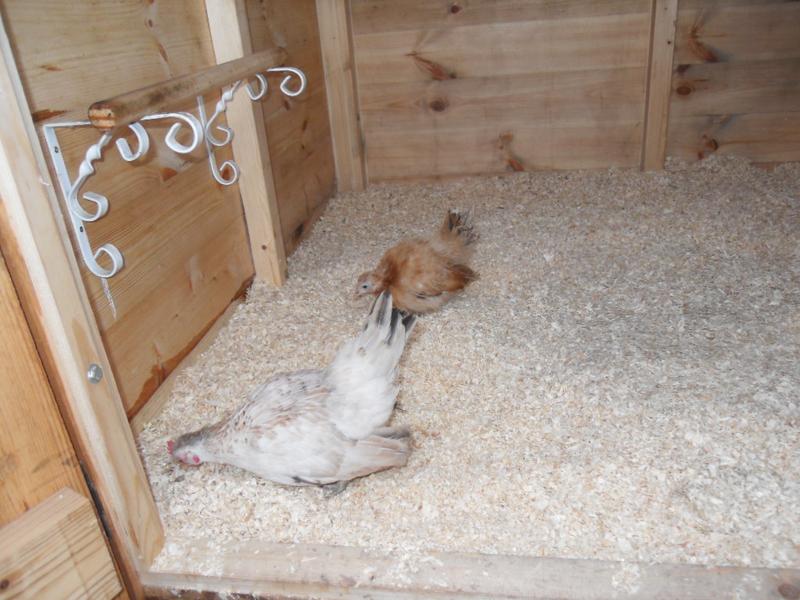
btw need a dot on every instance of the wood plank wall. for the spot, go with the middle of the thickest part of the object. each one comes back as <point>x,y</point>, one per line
<point>183,235</point>
<point>451,87</point>
<point>736,80</point>
<point>466,87</point>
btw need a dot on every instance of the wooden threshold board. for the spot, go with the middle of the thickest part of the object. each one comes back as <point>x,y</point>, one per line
<point>260,569</point>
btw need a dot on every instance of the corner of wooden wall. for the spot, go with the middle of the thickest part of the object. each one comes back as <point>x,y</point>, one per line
<point>338,59</point>
<point>227,22</point>
<point>659,83</point>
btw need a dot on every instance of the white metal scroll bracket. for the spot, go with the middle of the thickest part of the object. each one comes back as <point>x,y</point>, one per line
<point>86,207</point>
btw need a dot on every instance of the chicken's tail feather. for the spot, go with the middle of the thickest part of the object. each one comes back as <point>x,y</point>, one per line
<point>363,372</point>
<point>383,323</point>
<point>456,236</point>
<point>459,223</point>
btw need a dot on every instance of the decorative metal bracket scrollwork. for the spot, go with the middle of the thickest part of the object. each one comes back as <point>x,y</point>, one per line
<point>86,206</point>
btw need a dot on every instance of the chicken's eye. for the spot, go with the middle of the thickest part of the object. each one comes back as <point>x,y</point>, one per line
<point>364,286</point>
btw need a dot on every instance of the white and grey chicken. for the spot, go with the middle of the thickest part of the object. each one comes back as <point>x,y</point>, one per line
<point>318,427</point>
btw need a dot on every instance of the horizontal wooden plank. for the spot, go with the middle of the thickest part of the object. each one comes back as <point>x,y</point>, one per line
<point>265,569</point>
<point>722,33</point>
<point>486,149</point>
<point>380,16</point>
<point>567,97</point>
<point>737,87</point>
<point>57,550</point>
<point>760,137</point>
<point>714,5</point>
<point>511,49</point>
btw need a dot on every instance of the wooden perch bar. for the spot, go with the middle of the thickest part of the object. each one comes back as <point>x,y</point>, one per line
<point>132,106</point>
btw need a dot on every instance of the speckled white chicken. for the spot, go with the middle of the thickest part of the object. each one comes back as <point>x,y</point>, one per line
<point>318,427</point>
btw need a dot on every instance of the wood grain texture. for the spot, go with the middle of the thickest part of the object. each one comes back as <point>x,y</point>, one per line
<point>44,268</point>
<point>57,550</point>
<point>487,87</point>
<point>659,81</point>
<point>297,128</point>
<point>231,36</point>
<point>736,82</point>
<point>603,42</point>
<point>36,455</point>
<point>183,236</point>
<point>761,137</point>
<point>159,399</point>
<point>737,87</point>
<point>384,15</point>
<point>186,251</point>
<point>66,65</point>
<point>490,149</point>
<point>567,97</point>
<point>717,32</point>
<point>259,569</point>
<point>337,57</point>
<point>162,96</point>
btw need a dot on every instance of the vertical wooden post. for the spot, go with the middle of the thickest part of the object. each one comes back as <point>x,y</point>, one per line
<point>338,60</point>
<point>37,249</point>
<point>659,83</point>
<point>227,22</point>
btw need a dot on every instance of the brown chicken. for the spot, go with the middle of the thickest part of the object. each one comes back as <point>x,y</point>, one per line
<point>422,274</point>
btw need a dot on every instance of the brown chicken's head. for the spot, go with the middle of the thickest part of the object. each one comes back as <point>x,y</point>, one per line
<point>367,284</point>
<point>189,448</point>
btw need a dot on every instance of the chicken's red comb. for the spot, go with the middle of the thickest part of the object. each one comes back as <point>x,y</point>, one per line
<point>170,446</point>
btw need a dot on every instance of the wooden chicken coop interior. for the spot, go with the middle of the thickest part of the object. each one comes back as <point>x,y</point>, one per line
<point>416,95</point>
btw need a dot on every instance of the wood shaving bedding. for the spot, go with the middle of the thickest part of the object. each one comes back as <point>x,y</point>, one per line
<point>621,383</point>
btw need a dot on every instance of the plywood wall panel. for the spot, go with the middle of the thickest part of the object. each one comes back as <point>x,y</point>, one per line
<point>183,235</point>
<point>486,87</point>
<point>736,80</point>
<point>298,130</point>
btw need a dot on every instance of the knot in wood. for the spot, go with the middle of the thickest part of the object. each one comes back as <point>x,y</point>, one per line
<point>438,104</point>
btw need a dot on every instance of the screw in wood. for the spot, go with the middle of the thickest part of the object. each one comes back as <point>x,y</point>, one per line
<point>95,373</point>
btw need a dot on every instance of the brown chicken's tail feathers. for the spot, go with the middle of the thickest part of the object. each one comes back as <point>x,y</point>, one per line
<point>459,223</point>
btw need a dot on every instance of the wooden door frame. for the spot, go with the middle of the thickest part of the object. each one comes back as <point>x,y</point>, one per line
<point>41,260</point>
